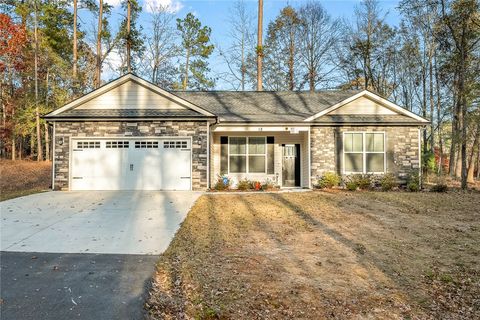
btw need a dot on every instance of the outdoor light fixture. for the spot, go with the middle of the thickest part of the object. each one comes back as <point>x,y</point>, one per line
<point>60,141</point>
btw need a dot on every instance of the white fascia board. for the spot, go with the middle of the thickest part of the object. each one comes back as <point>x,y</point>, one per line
<point>374,97</point>
<point>256,128</point>
<point>120,81</point>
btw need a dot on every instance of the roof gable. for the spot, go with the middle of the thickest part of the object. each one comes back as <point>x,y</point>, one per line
<point>130,92</point>
<point>365,103</point>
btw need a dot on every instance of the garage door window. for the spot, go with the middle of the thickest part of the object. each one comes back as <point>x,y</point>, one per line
<point>117,144</point>
<point>88,144</point>
<point>146,144</point>
<point>175,144</point>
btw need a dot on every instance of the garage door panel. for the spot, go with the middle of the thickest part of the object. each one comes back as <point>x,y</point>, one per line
<point>143,164</point>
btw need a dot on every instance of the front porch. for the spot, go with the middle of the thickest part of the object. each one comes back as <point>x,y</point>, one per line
<point>280,155</point>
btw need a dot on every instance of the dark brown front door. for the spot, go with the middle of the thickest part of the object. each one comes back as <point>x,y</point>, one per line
<point>291,165</point>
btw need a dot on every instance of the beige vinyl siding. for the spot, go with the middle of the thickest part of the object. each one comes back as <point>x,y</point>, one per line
<point>362,105</point>
<point>280,138</point>
<point>131,95</point>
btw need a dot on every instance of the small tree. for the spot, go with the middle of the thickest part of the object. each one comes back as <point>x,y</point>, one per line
<point>197,49</point>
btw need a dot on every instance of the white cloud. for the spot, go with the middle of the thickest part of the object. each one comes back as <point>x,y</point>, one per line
<point>172,6</point>
<point>114,3</point>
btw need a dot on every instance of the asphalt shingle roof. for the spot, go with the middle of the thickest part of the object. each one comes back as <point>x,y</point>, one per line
<point>266,106</point>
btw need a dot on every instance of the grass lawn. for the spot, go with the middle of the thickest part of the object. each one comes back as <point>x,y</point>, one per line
<point>319,254</point>
<point>22,177</point>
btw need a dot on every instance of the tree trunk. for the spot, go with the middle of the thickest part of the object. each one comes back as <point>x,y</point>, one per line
<point>291,63</point>
<point>37,107</point>
<point>98,65</point>
<point>47,142</point>
<point>75,53</point>
<point>13,147</point>
<point>20,147</point>
<point>439,118</point>
<point>187,65</point>
<point>432,103</point>
<point>260,46</point>
<point>243,67</point>
<point>471,166</point>
<point>478,163</point>
<point>129,44</point>
<point>458,163</point>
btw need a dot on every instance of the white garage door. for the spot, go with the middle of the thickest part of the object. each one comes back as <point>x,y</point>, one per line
<point>131,164</point>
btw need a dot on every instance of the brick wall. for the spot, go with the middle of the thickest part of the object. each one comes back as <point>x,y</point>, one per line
<point>195,129</point>
<point>401,149</point>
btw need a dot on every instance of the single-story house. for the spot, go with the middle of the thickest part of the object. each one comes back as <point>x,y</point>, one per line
<point>133,135</point>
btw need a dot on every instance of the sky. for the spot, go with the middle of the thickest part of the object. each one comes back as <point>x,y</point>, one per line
<point>216,13</point>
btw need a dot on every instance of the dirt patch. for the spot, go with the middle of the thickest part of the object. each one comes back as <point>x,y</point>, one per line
<point>323,255</point>
<point>23,177</point>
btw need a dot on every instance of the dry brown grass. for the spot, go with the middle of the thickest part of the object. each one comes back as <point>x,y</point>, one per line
<point>22,177</point>
<point>323,255</point>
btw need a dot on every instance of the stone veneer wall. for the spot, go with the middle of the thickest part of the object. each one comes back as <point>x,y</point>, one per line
<point>402,150</point>
<point>116,129</point>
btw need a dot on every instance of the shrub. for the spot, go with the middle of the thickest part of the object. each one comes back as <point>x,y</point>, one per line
<point>439,187</point>
<point>364,181</point>
<point>413,183</point>
<point>222,183</point>
<point>329,180</point>
<point>351,185</point>
<point>428,162</point>
<point>244,185</point>
<point>268,185</point>
<point>388,182</point>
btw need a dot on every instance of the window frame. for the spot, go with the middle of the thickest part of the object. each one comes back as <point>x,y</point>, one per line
<point>364,152</point>
<point>247,154</point>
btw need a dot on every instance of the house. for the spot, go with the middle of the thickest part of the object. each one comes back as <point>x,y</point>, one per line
<point>132,135</point>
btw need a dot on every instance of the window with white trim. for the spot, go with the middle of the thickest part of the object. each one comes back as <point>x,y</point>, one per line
<point>247,154</point>
<point>364,152</point>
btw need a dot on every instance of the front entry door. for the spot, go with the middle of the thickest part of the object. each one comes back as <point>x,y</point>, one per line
<point>291,165</point>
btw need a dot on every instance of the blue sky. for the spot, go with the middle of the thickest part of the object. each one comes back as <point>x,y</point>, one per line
<point>215,14</point>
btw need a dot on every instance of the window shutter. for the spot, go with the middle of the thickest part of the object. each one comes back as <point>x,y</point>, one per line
<point>389,153</point>
<point>270,155</point>
<point>223,155</point>
<point>338,151</point>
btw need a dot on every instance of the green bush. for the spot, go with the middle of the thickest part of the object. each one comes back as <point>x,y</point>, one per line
<point>329,180</point>
<point>222,183</point>
<point>439,187</point>
<point>351,185</point>
<point>388,182</point>
<point>428,162</point>
<point>413,182</point>
<point>364,181</point>
<point>244,185</point>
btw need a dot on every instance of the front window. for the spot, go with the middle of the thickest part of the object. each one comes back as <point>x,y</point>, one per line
<point>247,154</point>
<point>364,152</point>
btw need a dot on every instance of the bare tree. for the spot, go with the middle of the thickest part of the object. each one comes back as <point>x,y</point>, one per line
<point>236,56</point>
<point>160,47</point>
<point>318,35</point>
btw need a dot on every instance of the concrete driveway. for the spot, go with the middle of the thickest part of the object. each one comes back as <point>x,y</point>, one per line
<point>114,222</point>
<point>84,255</point>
